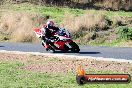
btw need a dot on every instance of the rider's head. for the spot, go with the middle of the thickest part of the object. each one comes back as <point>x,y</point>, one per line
<point>50,24</point>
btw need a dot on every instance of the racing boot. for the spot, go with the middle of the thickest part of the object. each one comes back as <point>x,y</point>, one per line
<point>46,46</point>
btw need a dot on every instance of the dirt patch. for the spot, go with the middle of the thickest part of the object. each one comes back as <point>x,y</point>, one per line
<point>48,64</point>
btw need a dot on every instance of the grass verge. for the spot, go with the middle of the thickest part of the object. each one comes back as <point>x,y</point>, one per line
<point>12,77</point>
<point>54,12</point>
<point>13,74</point>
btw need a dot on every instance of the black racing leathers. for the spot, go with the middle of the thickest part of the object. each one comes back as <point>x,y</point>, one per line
<point>48,35</point>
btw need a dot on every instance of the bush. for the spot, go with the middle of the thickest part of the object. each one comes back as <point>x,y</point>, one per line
<point>1,2</point>
<point>88,22</point>
<point>20,26</point>
<point>125,33</point>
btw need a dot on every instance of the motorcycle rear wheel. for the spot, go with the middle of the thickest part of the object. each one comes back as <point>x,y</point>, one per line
<point>52,50</point>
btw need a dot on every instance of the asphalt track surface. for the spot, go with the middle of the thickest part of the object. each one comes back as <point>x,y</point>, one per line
<point>105,52</point>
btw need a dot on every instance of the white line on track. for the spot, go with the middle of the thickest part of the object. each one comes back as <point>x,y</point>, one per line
<point>63,55</point>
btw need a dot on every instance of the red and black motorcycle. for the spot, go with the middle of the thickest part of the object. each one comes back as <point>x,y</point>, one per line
<point>62,41</point>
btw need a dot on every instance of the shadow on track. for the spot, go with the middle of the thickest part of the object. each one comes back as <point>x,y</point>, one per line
<point>77,53</point>
<point>89,52</point>
<point>2,46</point>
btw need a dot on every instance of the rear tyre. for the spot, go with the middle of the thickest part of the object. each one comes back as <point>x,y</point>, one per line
<point>52,50</point>
<point>75,47</point>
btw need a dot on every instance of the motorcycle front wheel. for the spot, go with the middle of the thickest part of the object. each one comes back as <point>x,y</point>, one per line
<point>75,48</point>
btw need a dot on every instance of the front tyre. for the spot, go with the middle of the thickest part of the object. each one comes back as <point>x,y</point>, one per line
<point>75,47</point>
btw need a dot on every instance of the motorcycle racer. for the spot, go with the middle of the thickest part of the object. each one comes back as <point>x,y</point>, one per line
<point>55,39</point>
<point>46,34</point>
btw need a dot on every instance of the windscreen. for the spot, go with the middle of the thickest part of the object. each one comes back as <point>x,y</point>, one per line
<point>63,32</point>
